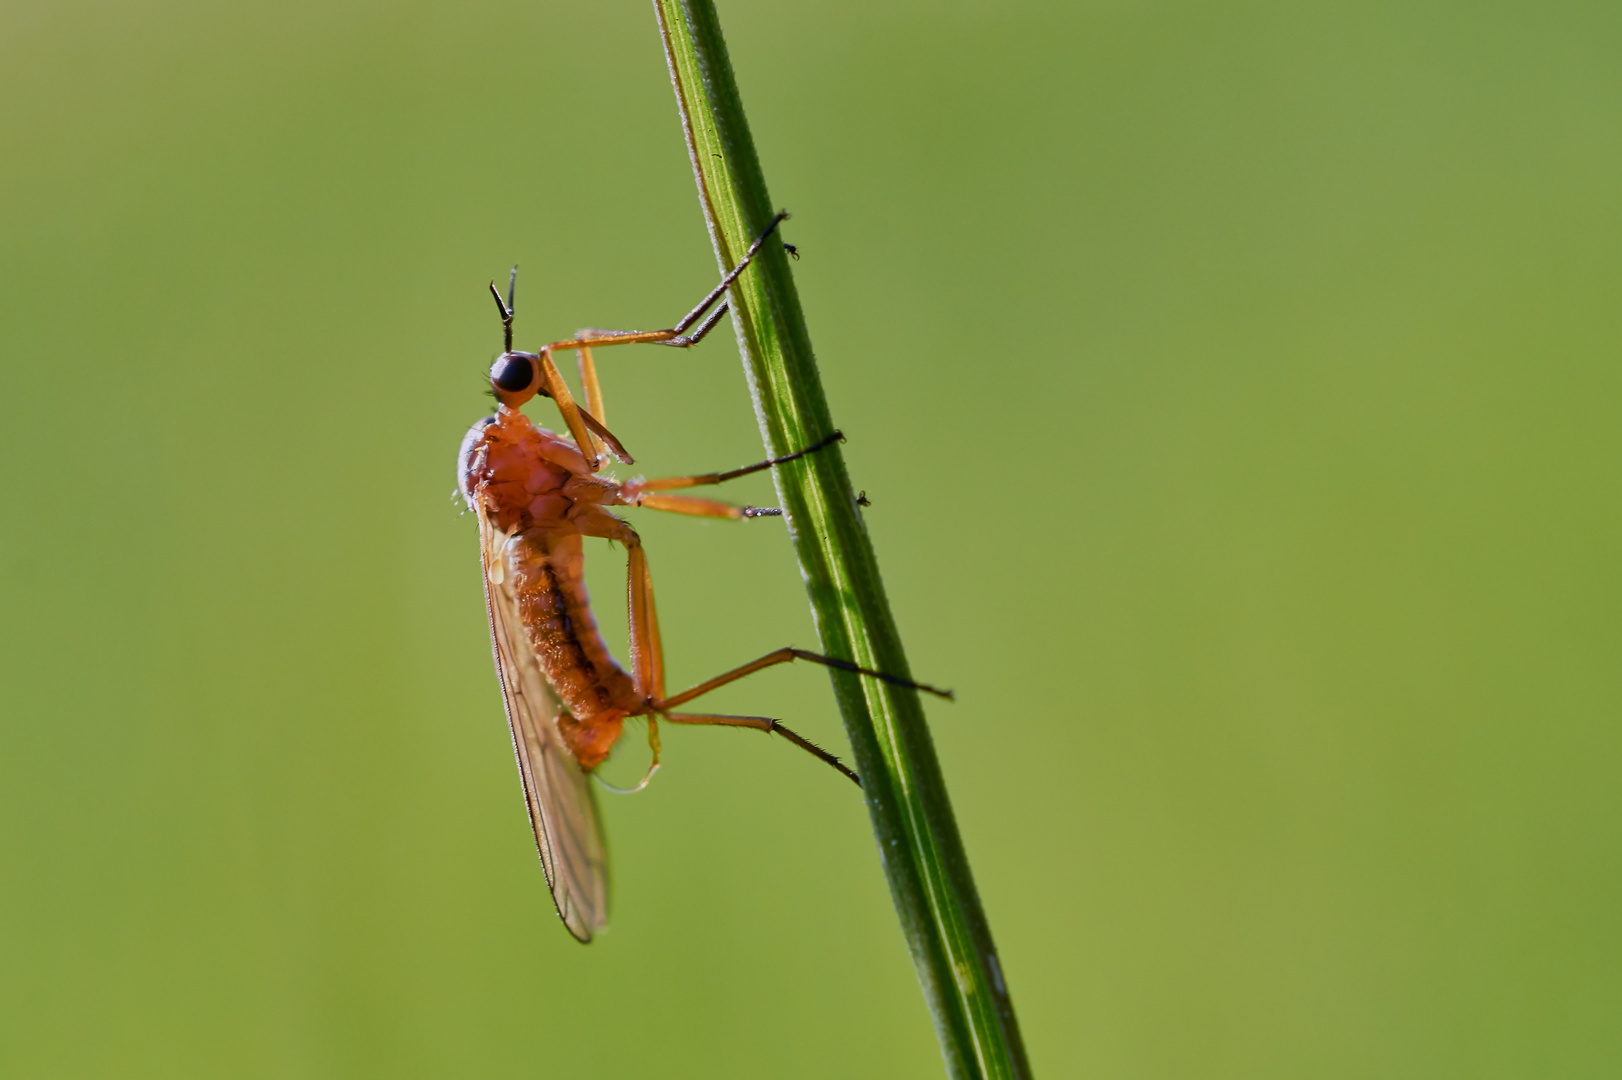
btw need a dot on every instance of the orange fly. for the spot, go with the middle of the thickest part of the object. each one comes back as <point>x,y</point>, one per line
<point>538,495</point>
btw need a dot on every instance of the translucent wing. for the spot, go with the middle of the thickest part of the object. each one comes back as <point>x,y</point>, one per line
<point>562,806</point>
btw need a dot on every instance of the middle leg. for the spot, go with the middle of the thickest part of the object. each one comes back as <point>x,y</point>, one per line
<point>671,482</point>
<point>644,492</point>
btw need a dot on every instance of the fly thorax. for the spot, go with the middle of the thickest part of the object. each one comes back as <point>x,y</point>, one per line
<point>504,468</point>
<point>470,459</point>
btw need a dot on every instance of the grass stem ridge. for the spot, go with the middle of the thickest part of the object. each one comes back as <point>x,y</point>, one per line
<point>919,845</point>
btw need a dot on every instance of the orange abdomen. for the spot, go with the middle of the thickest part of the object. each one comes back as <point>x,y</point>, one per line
<point>545,573</point>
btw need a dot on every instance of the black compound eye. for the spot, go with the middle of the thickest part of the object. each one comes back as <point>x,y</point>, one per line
<point>512,372</point>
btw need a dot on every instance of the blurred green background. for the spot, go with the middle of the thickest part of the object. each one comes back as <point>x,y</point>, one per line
<point>1236,390</point>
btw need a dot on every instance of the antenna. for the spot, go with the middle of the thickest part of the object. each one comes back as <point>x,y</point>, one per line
<point>506,308</point>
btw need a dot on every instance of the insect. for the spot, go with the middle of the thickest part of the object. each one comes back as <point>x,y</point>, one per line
<point>538,495</point>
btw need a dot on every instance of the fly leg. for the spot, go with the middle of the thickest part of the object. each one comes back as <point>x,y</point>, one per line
<point>646,492</point>
<point>647,652</point>
<point>676,336</point>
<point>593,419</point>
<point>770,726</point>
<point>787,656</point>
<point>762,723</point>
<point>585,428</point>
<point>594,399</point>
<point>669,482</point>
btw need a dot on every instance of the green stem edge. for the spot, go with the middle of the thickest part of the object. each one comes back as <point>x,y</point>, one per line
<point>919,845</point>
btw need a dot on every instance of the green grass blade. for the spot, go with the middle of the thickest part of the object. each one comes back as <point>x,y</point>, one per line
<point>906,796</point>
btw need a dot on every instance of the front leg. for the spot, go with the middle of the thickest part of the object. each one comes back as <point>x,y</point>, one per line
<point>675,335</point>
